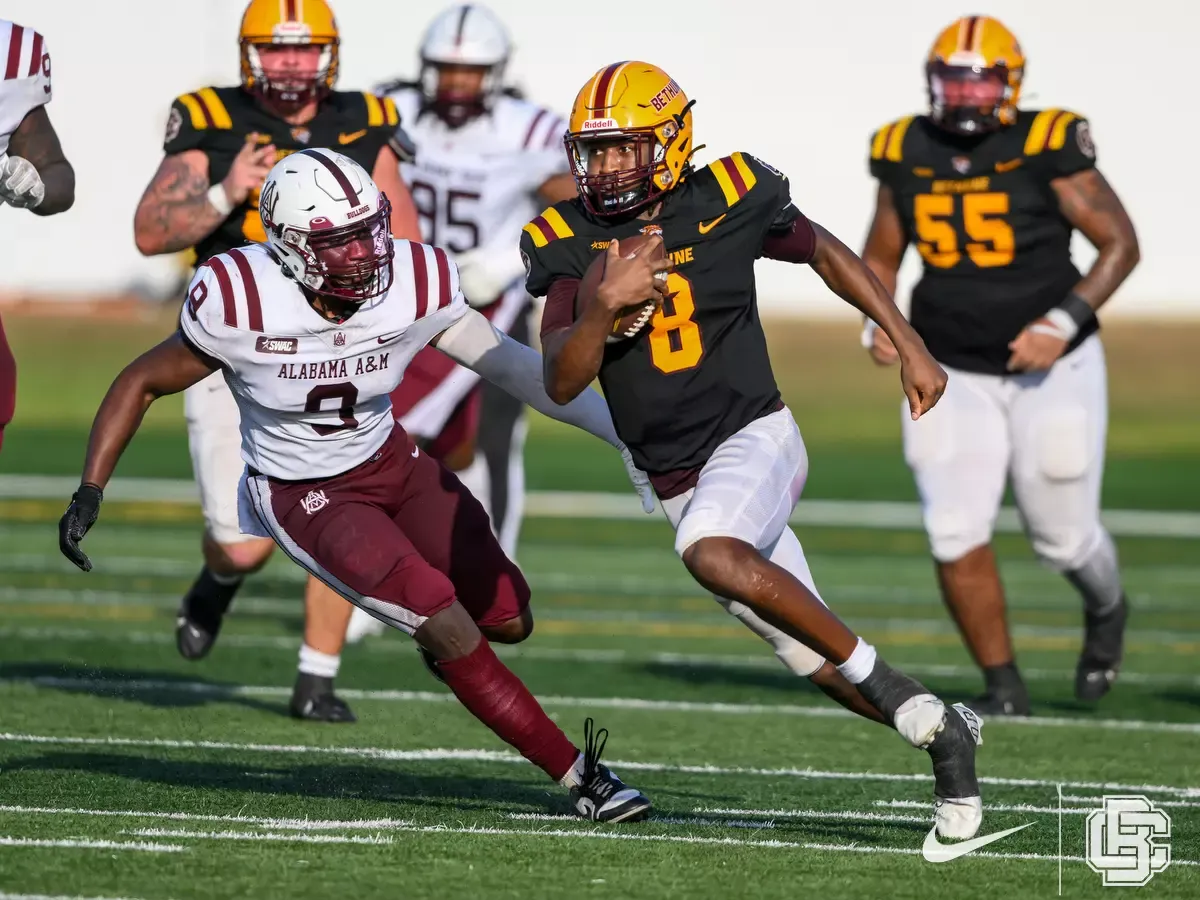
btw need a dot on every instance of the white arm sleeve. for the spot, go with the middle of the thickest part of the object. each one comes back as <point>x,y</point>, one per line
<point>473,342</point>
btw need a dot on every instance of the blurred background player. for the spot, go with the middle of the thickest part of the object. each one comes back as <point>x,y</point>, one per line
<point>990,193</point>
<point>220,144</point>
<point>34,174</point>
<point>485,162</point>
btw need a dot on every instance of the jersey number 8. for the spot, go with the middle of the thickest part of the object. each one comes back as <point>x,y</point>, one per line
<point>989,239</point>
<point>675,342</point>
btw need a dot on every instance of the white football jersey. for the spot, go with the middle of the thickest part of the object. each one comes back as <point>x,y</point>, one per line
<point>24,77</point>
<point>478,184</point>
<point>312,394</point>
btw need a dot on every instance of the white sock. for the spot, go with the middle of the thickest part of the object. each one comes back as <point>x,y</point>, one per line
<point>574,776</point>
<point>314,662</point>
<point>860,663</point>
<point>227,580</point>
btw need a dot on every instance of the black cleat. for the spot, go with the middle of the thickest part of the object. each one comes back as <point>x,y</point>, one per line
<point>200,614</point>
<point>1103,648</point>
<point>959,808</point>
<point>1011,700</point>
<point>313,699</point>
<point>602,796</point>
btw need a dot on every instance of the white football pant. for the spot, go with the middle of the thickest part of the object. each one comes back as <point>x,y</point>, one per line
<point>215,442</point>
<point>747,490</point>
<point>1045,430</point>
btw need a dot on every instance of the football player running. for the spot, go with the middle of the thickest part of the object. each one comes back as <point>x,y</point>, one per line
<point>34,174</point>
<point>990,194</point>
<point>220,143</point>
<point>693,394</point>
<point>485,162</point>
<point>311,331</point>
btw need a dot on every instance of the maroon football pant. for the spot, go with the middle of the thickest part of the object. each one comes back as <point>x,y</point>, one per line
<point>8,383</point>
<point>398,536</point>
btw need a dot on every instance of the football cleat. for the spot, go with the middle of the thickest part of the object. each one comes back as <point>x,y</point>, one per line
<point>430,663</point>
<point>1103,647</point>
<point>958,811</point>
<point>313,699</point>
<point>201,612</point>
<point>601,796</point>
<point>1011,700</point>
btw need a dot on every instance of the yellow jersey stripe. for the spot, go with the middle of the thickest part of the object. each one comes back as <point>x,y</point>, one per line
<point>374,111</point>
<point>895,141</point>
<point>557,224</point>
<point>1058,134</point>
<point>1035,141</point>
<point>193,107</point>
<point>748,178</point>
<point>216,109</point>
<point>390,113</point>
<point>725,181</point>
<point>880,141</point>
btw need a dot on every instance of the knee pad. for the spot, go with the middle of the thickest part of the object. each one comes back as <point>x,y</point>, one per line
<point>953,533</point>
<point>1064,447</point>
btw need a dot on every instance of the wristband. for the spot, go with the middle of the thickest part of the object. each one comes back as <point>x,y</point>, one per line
<point>219,200</point>
<point>1068,318</point>
<point>1078,309</point>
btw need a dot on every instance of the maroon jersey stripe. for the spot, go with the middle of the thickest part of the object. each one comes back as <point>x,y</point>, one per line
<point>225,283</point>
<point>35,61</point>
<point>420,277</point>
<point>537,120</point>
<point>1050,130</point>
<point>554,135</point>
<point>602,86</point>
<point>208,118</point>
<point>544,228</point>
<point>338,175</point>
<point>15,40</point>
<point>734,175</point>
<point>253,304</point>
<point>443,271</point>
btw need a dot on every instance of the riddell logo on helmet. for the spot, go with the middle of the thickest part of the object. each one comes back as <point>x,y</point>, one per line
<point>599,124</point>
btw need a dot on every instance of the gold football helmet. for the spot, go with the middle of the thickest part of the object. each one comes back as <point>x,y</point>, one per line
<point>629,138</point>
<point>974,73</point>
<point>296,23</point>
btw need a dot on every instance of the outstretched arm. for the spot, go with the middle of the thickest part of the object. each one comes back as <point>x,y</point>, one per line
<point>36,142</point>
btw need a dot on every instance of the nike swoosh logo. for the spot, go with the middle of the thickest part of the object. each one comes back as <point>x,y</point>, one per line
<point>417,452</point>
<point>935,852</point>
<point>389,337</point>
<point>706,227</point>
<point>1008,166</point>
<point>351,138</point>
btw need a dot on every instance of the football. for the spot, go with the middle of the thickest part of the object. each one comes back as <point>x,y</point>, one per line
<point>633,318</point>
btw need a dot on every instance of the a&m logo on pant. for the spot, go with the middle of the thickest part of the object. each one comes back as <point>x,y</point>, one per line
<point>314,501</point>
<point>1128,841</point>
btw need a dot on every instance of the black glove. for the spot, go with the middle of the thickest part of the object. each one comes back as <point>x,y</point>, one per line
<point>76,521</point>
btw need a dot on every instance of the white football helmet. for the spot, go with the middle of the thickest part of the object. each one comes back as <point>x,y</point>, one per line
<point>467,35</point>
<point>329,224</point>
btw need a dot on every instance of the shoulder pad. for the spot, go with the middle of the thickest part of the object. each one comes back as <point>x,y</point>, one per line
<point>547,227</point>
<point>1048,130</point>
<point>206,109</point>
<point>381,111</point>
<point>734,176</point>
<point>888,142</point>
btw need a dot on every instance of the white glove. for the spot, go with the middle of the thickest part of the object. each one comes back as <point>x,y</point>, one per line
<point>640,481</point>
<point>485,273</point>
<point>20,183</point>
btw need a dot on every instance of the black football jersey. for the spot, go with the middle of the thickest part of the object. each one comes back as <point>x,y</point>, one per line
<point>218,120</point>
<point>699,371</point>
<point>995,248</point>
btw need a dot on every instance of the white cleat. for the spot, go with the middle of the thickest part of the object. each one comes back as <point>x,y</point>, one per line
<point>958,819</point>
<point>958,812</point>
<point>362,625</point>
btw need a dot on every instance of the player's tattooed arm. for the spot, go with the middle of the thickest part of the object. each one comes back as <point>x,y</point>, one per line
<point>1089,203</point>
<point>173,366</point>
<point>174,212</point>
<point>36,140</point>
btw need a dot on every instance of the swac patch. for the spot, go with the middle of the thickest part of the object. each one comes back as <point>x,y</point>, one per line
<point>528,264</point>
<point>266,344</point>
<point>768,167</point>
<point>174,123</point>
<point>1083,137</point>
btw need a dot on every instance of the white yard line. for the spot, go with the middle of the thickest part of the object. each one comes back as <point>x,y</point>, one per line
<point>290,824</point>
<point>81,844</point>
<point>993,807</point>
<point>1097,801</point>
<point>851,815</point>
<point>206,689</point>
<point>500,756</point>
<point>755,825</point>
<point>7,896</point>
<point>297,838</point>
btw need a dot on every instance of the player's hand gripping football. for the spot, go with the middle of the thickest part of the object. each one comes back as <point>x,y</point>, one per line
<point>924,381</point>
<point>20,184</point>
<point>639,479</point>
<point>249,170</point>
<point>76,521</point>
<point>631,281</point>
<point>1036,348</point>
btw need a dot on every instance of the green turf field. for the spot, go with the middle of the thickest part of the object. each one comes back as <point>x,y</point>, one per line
<point>127,772</point>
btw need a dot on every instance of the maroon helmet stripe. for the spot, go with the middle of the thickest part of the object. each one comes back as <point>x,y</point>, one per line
<point>338,174</point>
<point>537,120</point>
<point>443,267</point>
<point>545,229</point>
<point>462,25</point>
<point>734,175</point>
<point>420,277</point>
<point>253,304</point>
<point>602,85</point>
<point>35,61</point>
<point>969,41</point>
<point>15,40</point>
<point>225,283</point>
<point>290,11</point>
